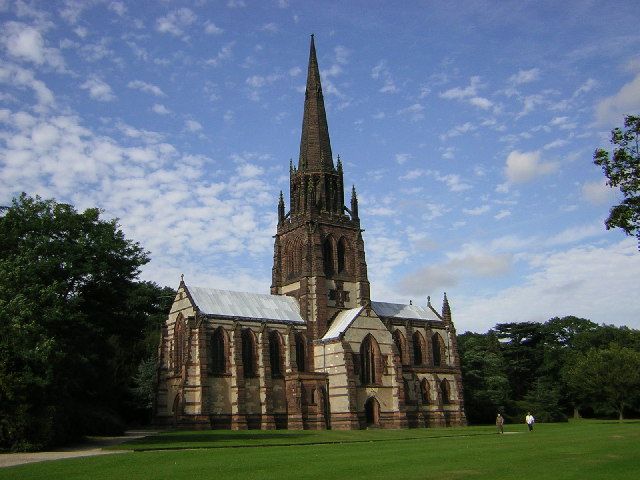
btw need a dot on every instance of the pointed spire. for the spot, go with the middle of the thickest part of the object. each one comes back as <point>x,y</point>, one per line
<point>446,309</point>
<point>315,146</point>
<point>281,209</point>
<point>354,203</point>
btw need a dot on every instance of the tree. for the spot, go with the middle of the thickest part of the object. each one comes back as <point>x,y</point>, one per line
<point>486,386</point>
<point>66,280</point>
<point>623,171</point>
<point>609,377</point>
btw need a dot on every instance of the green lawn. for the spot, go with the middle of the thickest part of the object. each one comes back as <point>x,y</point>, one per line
<point>578,450</point>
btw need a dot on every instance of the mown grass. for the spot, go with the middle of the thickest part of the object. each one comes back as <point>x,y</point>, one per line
<point>578,450</point>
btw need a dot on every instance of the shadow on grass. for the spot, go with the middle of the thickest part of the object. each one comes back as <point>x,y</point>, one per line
<point>217,440</point>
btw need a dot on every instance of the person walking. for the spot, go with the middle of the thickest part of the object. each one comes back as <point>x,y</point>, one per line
<point>530,421</point>
<point>500,423</point>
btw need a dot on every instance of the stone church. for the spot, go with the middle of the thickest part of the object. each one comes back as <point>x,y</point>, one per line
<point>317,352</point>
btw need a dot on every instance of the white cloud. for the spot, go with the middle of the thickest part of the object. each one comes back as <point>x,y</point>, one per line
<point>525,76</point>
<point>611,110</point>
<point>402,158</point>
<point>270,27</point>
<point>470,261</point>
<point>118,7</point>
<point>98,89</point>
<point>453,181</point>
<point>225,52</point>
<point>414,112</point>
<point>193,126</point>
<point>26,43</point>
<point>479,210</point>
<point>502,214</point>
<point>212,29</point>
<point>585,281</point>
<point>458,93</point>
<point>295,71</point>
<point>236,4</point>
<point>522,167</point>
<point>160,109</point>
<point>20,78</point>
<point>599,193</point>
<point>146,87</point>
<point>481,102</point>
<point>176,22</point>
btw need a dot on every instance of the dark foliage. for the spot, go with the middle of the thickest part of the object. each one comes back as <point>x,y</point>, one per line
<point>555,369</point>
<point>74,323</point>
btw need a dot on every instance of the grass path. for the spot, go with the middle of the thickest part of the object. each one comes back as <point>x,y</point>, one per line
<point>581,450</point>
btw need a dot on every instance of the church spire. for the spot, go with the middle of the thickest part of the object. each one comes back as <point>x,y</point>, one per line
<point>315,146</point>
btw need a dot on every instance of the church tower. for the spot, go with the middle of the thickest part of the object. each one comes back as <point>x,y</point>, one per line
<point>318,250</point>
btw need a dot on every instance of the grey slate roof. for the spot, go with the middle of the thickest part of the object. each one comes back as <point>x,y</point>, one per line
<point>341,323</point>
<point>398,310</point>
<point>250,306</point>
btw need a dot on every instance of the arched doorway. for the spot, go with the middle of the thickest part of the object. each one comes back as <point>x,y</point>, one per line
<point>372,412</point>
<point>177,408</point>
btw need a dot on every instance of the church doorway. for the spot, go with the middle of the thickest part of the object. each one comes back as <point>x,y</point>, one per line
<point>177,409</point>
<point>372,412</point>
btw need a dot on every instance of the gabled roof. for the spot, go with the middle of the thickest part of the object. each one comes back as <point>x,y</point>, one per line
<point>342,321</point>
<point>400,311</point>
<point>247,306</point>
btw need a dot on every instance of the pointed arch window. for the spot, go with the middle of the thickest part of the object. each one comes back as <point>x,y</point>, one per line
<point>418,349</point>
<point>437,347</point>
<point>249,353</point>
<point>444,391</point>
<point>398,339</point>
<point>219,352</point>
<point>178,344</point>
<point>342,251</point>
<point>424,391</point>
<point>368,361</point>
<point>327,256</point>
<point>275,354</point>
<point>301,358</point>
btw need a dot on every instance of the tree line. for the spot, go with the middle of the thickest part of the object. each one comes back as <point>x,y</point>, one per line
<point>565,367</point>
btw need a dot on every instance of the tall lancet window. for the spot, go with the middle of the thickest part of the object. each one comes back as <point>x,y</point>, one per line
<point>437,346</point>
<point>418,349</point>
<point>218,352</point>
<point>275,354</point>
<point>301,353</point>
<point>342,249</point>
<point>327,256</point>
<point>248,353</point>
<point>178,344</point>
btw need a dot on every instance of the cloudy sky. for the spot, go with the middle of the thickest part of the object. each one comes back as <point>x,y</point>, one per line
<point>468,129</point>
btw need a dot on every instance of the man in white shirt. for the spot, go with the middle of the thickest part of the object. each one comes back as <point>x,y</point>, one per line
<point>530,421</point>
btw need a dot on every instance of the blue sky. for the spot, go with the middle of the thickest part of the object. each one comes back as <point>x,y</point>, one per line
<point>468,129</point>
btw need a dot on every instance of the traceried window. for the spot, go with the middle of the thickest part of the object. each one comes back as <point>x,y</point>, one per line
<point>218,352</point>
<point>368,359</point>
<point>418,349</point>
<point>275,354</point>
<point>301,353</point>
<point>249,353</point>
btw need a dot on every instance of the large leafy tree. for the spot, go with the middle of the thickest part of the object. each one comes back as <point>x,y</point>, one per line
<point>609,377</point>
<point>623,170</point>
<point>67,326</point>
<point>486,386</point>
